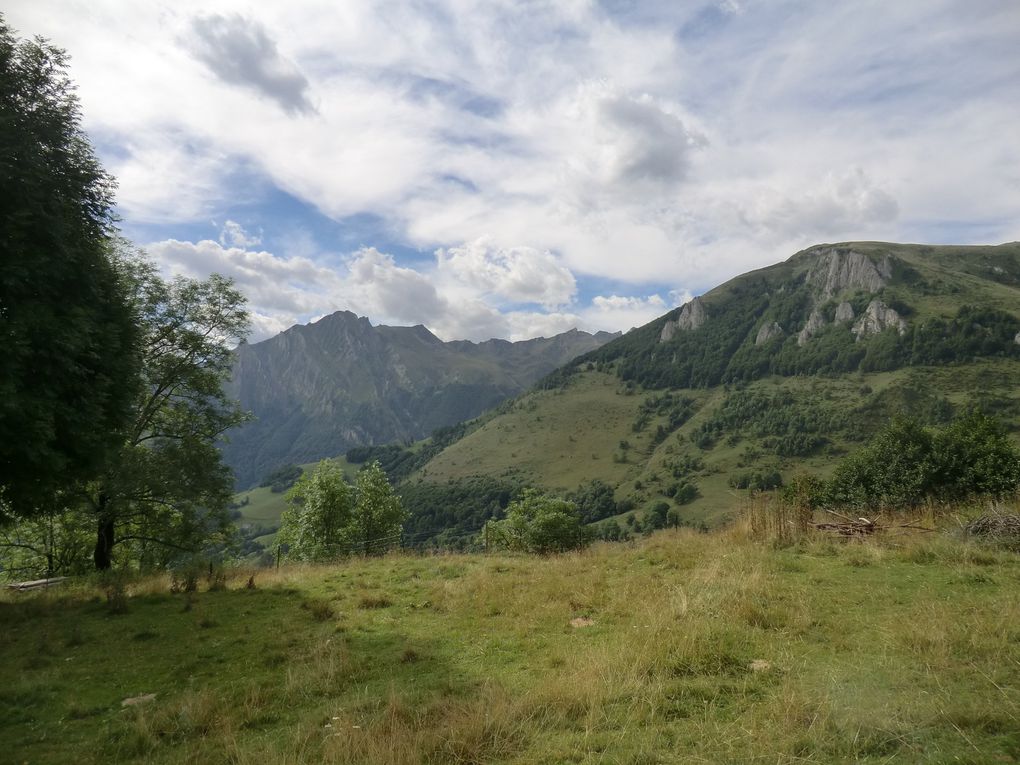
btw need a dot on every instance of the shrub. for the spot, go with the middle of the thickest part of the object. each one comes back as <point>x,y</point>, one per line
<point>907,464</point>
<point>539,523</point>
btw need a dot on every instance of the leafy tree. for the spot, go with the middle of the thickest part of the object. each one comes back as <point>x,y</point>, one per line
<point>329,518</point>
<point>906,464</point>
<point>68,341</point>
<point>166,489</point>
<point>316,525</point>
<point>378,513</point>
<point>539,523</point>
<point>594,501</point>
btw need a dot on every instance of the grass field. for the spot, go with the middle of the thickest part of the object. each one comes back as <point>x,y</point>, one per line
<point>683,647</point>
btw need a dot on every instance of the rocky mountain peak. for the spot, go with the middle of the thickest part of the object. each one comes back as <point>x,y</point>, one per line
<point>837,269</point>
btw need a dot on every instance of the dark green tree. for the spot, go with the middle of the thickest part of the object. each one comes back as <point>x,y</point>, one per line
<point>68,341</point>
<point>907,464</point>
<point>539,523</point>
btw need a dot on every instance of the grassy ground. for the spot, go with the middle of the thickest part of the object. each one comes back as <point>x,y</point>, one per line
<point>679,648</point>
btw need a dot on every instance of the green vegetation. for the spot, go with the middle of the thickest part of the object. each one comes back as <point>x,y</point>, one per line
<point>281,479</point>
<point>538,523</point>
<point>906,465</point>
<point>328,518</point>
<point>112,386</point>
<point>709,647</point>
<point>69,341</point>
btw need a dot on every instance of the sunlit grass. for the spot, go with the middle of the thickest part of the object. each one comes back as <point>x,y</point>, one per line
<point>679,648</point>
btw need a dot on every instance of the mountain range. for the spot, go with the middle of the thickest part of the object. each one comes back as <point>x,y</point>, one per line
<point>777,372</point>
<point>316,390</point>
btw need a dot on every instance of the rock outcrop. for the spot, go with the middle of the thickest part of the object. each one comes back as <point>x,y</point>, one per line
<point>844,312</point>
<point>839,269</point>
<point>1017,338</point>
<point>768,332</point>
<point>691,316</point>
<point>814,323</point>
<point>878,317</point>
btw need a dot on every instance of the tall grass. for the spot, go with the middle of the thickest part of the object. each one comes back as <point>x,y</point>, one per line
<point>684,647</point>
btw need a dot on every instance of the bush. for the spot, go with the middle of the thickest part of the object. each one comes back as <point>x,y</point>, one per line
<point>539,523</point>
<point>907,464</point>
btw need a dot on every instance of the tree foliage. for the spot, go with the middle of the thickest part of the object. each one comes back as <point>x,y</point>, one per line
<point>316,523</point>
<point>167,489</point>
<point>539,523</point>
<point>907,464</point>
<point>68,340</point>
<point>328,518</point>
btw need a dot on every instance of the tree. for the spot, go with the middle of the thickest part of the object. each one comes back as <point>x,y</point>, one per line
<point>68,339</point>
<point>328,518</point>
<point>316,525</point>
<point>907,464</point>
<point>539,523</point>
<point>166,489</point>
<point>378,513</point>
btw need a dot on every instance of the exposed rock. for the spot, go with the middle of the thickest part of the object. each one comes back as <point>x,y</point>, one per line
<point>760,665</point>
<point>691,316</point>
<point>844,312</point>
<point>814,323</point>
<point>768,332</point>
<point>841,269</point>
<point>134,701</point>
<point>876,318</point>
<point>1016,339</point>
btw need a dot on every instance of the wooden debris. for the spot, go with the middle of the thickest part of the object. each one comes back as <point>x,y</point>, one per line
<point>37,584</point>
<point>850,528</point>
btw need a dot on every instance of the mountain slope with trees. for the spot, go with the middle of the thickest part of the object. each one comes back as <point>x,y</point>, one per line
<point>320,389</point>
<point>780,371</point>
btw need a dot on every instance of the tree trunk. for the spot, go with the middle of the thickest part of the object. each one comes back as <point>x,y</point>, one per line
<point>103,554</point>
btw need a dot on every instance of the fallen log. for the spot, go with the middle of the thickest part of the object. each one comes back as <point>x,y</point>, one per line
<point>36,584</point>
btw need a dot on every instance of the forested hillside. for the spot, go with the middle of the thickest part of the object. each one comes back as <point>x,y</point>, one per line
<point>777,372</point>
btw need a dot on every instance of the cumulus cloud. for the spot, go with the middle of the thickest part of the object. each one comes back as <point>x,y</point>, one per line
<point>834,205</point>
<point>620,313</point>
<point>510,274</point>
<point>233,234</point>
<point>548,148</point>
<point>240,52</point>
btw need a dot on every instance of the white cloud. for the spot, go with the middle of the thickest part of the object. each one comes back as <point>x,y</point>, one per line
<point>664,144</point>
<point>513,274</point>
<point>233,234</point>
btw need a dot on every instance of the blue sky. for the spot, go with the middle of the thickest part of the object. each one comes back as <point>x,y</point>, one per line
<point>514,169</point>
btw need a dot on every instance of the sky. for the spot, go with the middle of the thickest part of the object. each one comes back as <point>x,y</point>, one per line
<point>518,168</point>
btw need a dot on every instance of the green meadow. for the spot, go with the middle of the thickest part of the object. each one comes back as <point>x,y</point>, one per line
<point>681,647</point>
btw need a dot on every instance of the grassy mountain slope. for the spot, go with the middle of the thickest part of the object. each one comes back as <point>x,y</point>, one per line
<point>683,647</point>
<point>722,404</point>
<point>320,389</point>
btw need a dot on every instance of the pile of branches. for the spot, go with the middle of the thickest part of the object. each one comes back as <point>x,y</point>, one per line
<point>996,527</point>
<point>852,528</point>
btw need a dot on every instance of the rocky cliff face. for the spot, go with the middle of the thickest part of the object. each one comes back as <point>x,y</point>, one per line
<point>691,316</point>
<point>814,324</point>
<point>876,318</point>
<point>839,269</point>
<point>768,332</point>
<point>319,389</point>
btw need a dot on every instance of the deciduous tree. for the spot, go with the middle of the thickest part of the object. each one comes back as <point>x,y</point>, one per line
<point>67,329</point>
